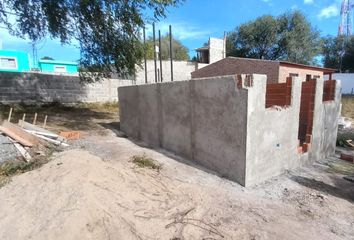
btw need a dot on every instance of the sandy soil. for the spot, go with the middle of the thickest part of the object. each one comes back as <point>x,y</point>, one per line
<point>94,191</point>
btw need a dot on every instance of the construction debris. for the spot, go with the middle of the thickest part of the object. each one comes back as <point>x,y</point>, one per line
<point>22,150</point>
<point>16,137</point>
<point>18,133</point>
<point>56,142</point>
<point>25,135</point>
<point>10,114</point>
<point>344,123</point>
<point>73,135</point>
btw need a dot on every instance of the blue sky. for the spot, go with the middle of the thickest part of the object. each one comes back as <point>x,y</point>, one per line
<point>197,20</point>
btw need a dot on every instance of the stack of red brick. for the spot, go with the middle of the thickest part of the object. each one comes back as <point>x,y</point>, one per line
<point>278,94</point>
<point>329,90</point>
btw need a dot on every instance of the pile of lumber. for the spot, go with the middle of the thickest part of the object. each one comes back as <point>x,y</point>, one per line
<point>26,136</point>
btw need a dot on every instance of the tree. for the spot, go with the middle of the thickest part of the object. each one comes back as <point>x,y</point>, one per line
<point>334,48</point>
<point>256,39</point>
<point>108,31</point>
<point>288,37</point>
<point>299,42</point>
<point>179,51</point>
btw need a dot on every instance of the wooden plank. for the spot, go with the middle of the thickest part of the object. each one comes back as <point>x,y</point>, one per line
<point>18,131</point>
<point>21,150</point>
<point>18,138</point>
<point>10,114</point>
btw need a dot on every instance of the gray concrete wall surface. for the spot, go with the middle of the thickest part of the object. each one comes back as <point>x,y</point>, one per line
<point>204,121</point>
<point>219,126</point>
<point>272,133</point>
<point>325,127</point>
<point>222,123</point>
<point>43,88</point>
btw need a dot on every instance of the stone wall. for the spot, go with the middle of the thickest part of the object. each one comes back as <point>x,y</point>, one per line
<point>42,88</point>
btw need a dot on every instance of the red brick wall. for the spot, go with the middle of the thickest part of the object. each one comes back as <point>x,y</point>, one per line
<point>329,88</point>
<point>278,94</point>
<point>232,66</point>
<point>307,105</point>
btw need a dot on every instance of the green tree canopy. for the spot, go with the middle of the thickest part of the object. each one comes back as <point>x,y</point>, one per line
<point>334,48</point>
<point>288,37</point>
<point>108,31</point>
<point>179,51</point>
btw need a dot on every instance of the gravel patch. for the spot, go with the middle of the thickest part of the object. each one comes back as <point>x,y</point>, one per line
<point>7,150</point>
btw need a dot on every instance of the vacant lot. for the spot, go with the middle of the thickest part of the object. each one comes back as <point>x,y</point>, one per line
<point>105,186</point>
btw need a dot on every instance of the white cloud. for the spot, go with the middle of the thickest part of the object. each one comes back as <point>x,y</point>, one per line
<point>308,1</point>
<point>294,7</point>
<point>181,31</point>
<point>328,12</point>
<point>268,2</point>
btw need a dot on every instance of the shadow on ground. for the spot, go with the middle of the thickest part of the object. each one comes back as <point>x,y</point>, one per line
<point>341,188</point>
<point>64,117</point>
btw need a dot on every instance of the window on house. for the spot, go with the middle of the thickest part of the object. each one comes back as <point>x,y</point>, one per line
<point>59,69</point>
<point>8,63</point>
<point>293,74</point>
<point>308,77</point>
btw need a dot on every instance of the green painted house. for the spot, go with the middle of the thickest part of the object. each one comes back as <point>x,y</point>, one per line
<point>51,66</point>
<point>19,61</point>
<point>14,61</point>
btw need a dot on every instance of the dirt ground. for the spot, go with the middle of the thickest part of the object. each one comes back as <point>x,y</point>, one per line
<point>93,190</point>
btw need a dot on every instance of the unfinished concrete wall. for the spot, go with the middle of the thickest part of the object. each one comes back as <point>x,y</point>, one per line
<point>223,124</point>
<point>219,125</point>
<point>271,134</point>
<point>326,115</point>
<point>175,117</point>
<point>204,121</point>
<point>130,120</point>
<point>44,88</point>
